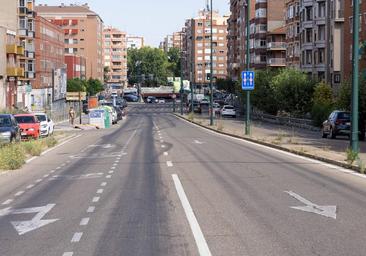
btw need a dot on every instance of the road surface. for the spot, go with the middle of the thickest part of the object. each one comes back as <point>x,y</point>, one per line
<point>156,185</point>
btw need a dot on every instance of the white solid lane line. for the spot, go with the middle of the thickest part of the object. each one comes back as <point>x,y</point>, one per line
<point>169,163</point>
<point>193,223</point>
<point>7,202</point>
<point>91,209</point>
<point>96,199</point>
<point>68,254</point>
<point>19,193</point>
<point>84,221</point>
<point>77,237</point>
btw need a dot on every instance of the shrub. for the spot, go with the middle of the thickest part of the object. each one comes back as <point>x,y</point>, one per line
<point>50,141</point>
<point>33,148</point>
<point>12,157</point>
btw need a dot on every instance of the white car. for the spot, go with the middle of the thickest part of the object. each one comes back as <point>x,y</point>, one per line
<point>161,101</point>
<point>228,110</point>
<point>46,124</point>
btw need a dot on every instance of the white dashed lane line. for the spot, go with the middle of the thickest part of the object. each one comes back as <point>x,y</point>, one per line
<point>169,163</point>
<point>166,153</point>
<point>9,201</point>
<point>84,221</point>
<point>96,199</point>
<point>108,176</point>
<point>19,193</point>
<point>68,254</point>
<point>39,180</point>
<point>91,209</point>
<point>77,237</point>
<point>163,146</point>
<point>100,191</point>
<point>103,184</point>
<point>30,186</point>
<point>110,172</point>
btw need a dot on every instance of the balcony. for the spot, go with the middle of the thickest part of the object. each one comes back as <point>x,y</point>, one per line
<point>20,50</point>
<point>23,11</point>
<point>15,72</point>
<point>339,17</point>
<point>276,46</point>
<point>276,62</point>
<point>11,49</point>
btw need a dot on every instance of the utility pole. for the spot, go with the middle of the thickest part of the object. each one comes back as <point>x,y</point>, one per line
<point>247,119</point>
<point>211,69</point>
<point>355,81</point>
<point>181,74</point>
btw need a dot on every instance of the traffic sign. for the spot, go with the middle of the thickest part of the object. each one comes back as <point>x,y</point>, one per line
<point>247,80</point>
<point>76,96</point>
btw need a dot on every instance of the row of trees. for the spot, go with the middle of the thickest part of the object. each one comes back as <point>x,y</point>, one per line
<point>152,66</point>
<point>292,92</point>
<point>91,86</point>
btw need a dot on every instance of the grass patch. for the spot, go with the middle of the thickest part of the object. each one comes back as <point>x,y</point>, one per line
<point>191,116</point>
<point>352,156</point>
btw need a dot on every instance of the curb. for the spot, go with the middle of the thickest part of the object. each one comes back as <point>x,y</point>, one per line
<point>296,152</point>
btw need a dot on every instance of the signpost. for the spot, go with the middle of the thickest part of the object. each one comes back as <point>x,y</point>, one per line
<point>247,85</point>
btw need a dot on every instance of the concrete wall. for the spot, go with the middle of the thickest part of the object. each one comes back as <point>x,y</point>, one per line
<point>8,14</point>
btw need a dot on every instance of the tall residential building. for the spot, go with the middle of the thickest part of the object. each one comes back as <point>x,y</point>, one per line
<point>49,50</point>
<point>135,42</point>
<point>198,47</point>
<point>177,39</point>
<point>83,30</point>
<point>267,48</point>
<point>292,20</point>
<point>26,34</point>
<point>75,66</point>
<point>236,37</point>
<point>172,41</point>
<point>321,28</point>
<point>115,55</point>
<point>10,52</point>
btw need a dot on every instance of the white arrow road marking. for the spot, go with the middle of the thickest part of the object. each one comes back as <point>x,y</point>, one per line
<point>198,142</point>
<point>23,227</point>
<point>329,211</point>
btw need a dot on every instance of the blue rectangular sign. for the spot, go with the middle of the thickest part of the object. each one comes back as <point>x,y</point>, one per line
<point>247,80</point>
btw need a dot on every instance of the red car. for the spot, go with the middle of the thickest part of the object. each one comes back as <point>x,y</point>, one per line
<point>29,126</point>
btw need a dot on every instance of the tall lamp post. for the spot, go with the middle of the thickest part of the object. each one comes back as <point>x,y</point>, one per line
<point>247,119</point>
<point>355,81</point>
<point>181,74</point>
<point>211,68</point>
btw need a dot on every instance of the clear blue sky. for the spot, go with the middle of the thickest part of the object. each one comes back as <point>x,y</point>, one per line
<point>152,19</point>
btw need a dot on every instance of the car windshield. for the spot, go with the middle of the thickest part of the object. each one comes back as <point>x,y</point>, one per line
<point>25,119</point>
<point>344,115</point>
<point>5,122</point>
<point>229,108</point>
<point>41,118</point>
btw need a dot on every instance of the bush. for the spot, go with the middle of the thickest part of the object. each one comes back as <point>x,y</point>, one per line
<point>50,141</point>
<point>12,157</point>
<point>33,148</point>
<point>323,103</point>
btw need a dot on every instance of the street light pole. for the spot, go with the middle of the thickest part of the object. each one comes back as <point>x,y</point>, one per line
<point>181,74</point>
<point>355,81</point>
<point>211,69</point>
<point>247,119</point>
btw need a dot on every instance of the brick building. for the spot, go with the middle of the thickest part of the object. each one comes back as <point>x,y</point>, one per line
<point>75,66</point>
<point>83,30</point>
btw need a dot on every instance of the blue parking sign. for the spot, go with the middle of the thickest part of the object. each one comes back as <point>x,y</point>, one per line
<point>247,80</point>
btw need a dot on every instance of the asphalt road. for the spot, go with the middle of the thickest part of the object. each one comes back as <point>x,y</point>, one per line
<point>156,185</point>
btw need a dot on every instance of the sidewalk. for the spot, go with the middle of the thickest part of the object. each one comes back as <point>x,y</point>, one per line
<point>301,140</point>
<point>66,126</point>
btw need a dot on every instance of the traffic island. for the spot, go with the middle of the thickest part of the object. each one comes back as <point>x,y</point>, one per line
<point>281,140</point>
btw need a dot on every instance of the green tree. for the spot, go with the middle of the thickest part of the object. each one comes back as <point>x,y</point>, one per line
<point>174,59</point>
<point>293,91</point>
<point>345,95</point>
<point>151,62</point>
<point>76,85</point>
<point>227,85</point>
<point>94,86</point>
<point>323,103</point>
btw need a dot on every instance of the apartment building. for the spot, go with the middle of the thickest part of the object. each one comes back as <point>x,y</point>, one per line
<point>26,38</point>
<point>83,31</point>
<point>75,66</point>
<point>236,37</point>
<point>49,51</point>
<point>321,33</point>
<point>115,55</point>
<point>135,42</point>
<point>10,51</point>
<point>292,20</point>
<point>197,49</point>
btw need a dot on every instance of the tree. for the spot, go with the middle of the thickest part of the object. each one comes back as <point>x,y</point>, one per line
<point>345,95</point>
<point>323,103</point>
<point>174,59</point>
<point>94,86</point>
<point>293,91</point>
<point>76,85</point>
<point>151,62</point>
<point>227,85</point>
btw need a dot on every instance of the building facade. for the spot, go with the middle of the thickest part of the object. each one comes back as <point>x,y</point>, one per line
<point>321,34</point>
<point>115,56</point>
<point>75,66</point>
<point>50,60</point>
<point>292,23</point>
<point>197,49</point>
<point>83,31</point>
<point>135,42</point>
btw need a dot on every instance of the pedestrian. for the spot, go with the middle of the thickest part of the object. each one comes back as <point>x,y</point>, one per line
<point>72,115</point>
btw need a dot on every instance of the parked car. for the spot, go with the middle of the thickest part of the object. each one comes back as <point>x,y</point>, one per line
<point>119,113</point>
<point>151,99</point>
<point>228,110</point>
<point>161,101</point>
<point>29,126</point>
<point>216,108</point>
<point>9,129</point>
<point>131,98</point>
<point>339,123</point>
<point>46,124</point>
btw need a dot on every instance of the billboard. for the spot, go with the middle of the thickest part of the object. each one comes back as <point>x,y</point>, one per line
<point>59,84</point>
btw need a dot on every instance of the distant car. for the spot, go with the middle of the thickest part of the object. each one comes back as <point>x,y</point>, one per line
<point>9,129</point>
<point>131,98</point>
<point>29,126</point>
<point>228,110</point>
<point>205,101</point>
<point>339,123</point>
<point>150,99</point>
<point>161,101</point>
<point>46,124</point>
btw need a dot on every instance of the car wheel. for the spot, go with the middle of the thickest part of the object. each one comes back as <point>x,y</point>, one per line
<point>324,135</point>
<point>332,134</point>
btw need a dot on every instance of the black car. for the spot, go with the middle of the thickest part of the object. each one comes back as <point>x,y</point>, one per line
<point>339,123</point>
<point>9,129</point>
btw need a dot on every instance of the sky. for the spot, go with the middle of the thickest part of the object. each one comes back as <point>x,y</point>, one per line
<point>153,19</point>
